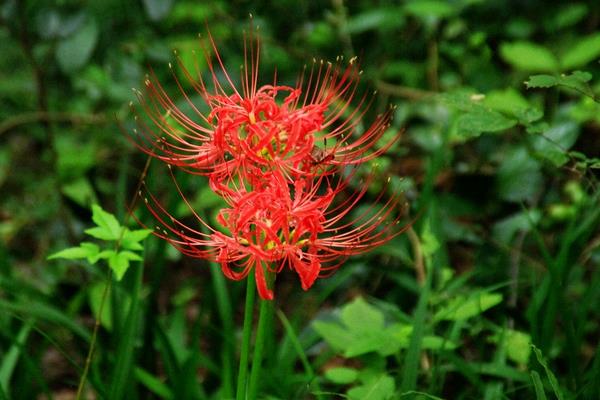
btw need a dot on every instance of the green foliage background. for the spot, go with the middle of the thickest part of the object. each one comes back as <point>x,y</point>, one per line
<point>499,160</point>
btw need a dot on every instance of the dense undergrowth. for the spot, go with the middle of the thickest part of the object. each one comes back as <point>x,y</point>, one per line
<point>492,293</point>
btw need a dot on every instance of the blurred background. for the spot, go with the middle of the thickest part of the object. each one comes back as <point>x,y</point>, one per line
<point>499,157</point>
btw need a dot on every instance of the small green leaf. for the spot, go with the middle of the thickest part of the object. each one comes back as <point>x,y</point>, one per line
<point>360,331</point>
<point>541,81</point>
<point>518,346</point>
<point>462,308</point>
<point>73,52</point>
<point>582,76</point>
<point>508,101</point>
<point>583,52</point>
<point>523,221</point>
<point>429,241</point>
<point>430,8</point>
<point>519,176</point>
<point>378,18</point>
<point>95,295</point>
<point>85,250</point>
<point>108,226</point>
<point>100,233</point>
<point>119,262</point>
<point>437,343</point>
<point>333,333</point>
<point>481,120</point>
<point>360,316</point>
<point>555,142</point>
<point>577,81</point>
<point>528,56</point>
<point>80,191</point>
<point>131,239</point>
<point>157,9</point>
<point>378,388</point>
<point>341,375</point>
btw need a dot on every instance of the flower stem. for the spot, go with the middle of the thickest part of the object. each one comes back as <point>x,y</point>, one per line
<point>224,308</point>
<point>247,334</point>
<point>266,311</point>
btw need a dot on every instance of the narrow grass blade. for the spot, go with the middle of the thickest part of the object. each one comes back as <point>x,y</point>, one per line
<point>289,330</point>
<point>3,395</point>
<point>413,354</point>
<point>10,359</point>
<point>123,366</point>
<point>155,385</point>
<point>539,387</point>
<point>551,377</point>
<point>47,313</point>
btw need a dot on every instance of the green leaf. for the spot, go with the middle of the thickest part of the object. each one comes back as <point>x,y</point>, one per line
<point>359,316</point>
<point>518,346</point>
<point>551,377</point>
<point>361,331</point>
<point>378,388</point>
<point>505,229</point>
<point>461,308</point>
<point>131,239</point>
<point>414,394</point>
<point>73,52</point>
<point>100,233</point>
<point>527,56</point>
<point>108,226</point>
<point>519,177</point>
<point>119,262</point>
<point>565,16</point>
<point>378,18</point>
<point>437,343</point>
<point>508,101</point>
<point>538,385</point>
<point>541,81</point>
<point>583,52</point>
<point>577,80</point>
<point>430,8</point>
<point>84,250</point>
<point>513,104</point>
<point>429,241</point>
<point>333,333</point>
<point>10,358</point>
<point>95,295</point>
<point>554,143</point>
<point>341,375</point>
<point>480,120</point>
<point>157,9</point>
<point>153,383</point>
<point>80,191</point>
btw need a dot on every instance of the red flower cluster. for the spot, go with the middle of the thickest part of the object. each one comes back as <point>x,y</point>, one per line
<point>279,157</point>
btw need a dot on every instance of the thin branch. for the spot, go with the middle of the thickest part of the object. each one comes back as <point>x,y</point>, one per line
<point>46,116</point>
<point>403,91</point>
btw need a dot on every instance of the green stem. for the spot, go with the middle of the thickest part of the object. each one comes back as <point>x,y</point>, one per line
<point>301,354</point>
<point>123,368</point>
<point>88,359</point>
<point>266,311</point>
<point>224,308</point>
<point>247,333</point>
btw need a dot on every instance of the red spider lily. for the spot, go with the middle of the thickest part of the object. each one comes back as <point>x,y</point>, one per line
<point>263,149</point>
<point>244,133</point>
<point>278,226</point>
